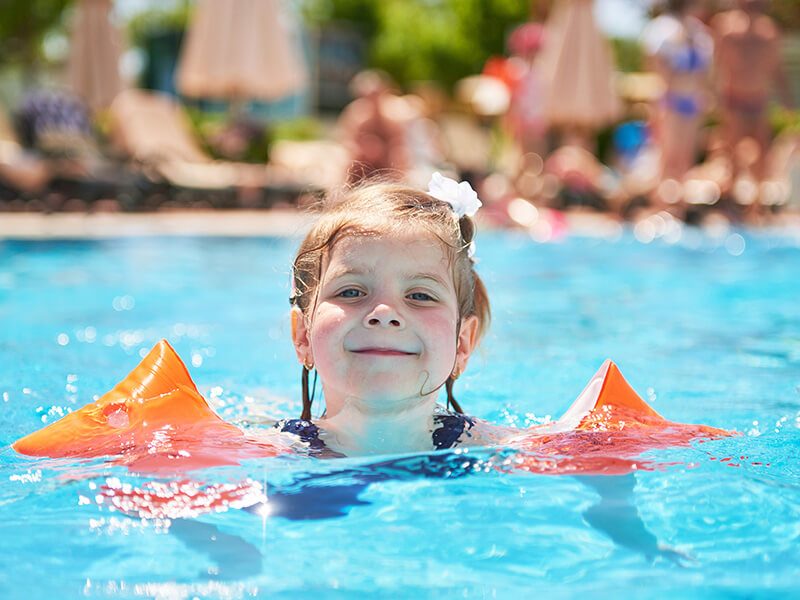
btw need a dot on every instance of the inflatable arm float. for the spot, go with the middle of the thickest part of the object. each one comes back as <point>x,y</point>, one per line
<point>155,419</point>
<point>604,431</point>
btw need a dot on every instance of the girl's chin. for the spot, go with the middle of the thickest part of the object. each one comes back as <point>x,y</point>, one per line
<point>394,379</point>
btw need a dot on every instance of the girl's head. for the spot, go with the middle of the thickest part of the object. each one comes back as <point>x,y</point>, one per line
<point>387,304</point>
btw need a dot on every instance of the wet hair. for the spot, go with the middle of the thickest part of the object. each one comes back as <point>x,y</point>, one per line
<point>380,209</point>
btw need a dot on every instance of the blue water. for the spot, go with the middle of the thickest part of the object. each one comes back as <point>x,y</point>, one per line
<point>707,329</point>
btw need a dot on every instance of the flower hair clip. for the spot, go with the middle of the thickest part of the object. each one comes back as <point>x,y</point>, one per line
<point>459,195</point>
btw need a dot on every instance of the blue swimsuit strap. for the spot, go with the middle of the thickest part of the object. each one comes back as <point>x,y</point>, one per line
<point>451,427</point>
<point>305,430</point>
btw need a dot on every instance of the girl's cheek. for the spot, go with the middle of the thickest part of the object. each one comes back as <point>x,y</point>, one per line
<point>327,321</point>
<point>443,324</point>
<point>442,337</point>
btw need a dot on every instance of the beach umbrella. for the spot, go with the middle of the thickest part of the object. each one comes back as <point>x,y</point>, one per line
<point>95,47</point>
<point>576,62</point>
<point>240,50</point>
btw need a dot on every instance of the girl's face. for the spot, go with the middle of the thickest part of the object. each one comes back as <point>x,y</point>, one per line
<point>384,331</point>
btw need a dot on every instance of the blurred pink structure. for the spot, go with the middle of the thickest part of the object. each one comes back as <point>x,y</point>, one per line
<point>576,62</point>
<point>240,50</point>
<point>526,116</point>
<point>95,47</point>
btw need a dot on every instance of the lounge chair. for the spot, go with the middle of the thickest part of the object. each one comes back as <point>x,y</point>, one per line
<point>153,130</point>
<point>23,175</point>
<point>52,160</point>
<point>318,164</point>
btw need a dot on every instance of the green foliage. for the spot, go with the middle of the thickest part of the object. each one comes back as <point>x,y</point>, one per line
<point>627,55</point>
<point>787,13</point>
<point>299,129</point>
<point>362,14</point>
<point>204,125</point>
<point>24,25</point>
<point>228,137</point>
<point>442,40</point>
<point>157,20</point>
<point>784,120</point>
<point>424,44</point>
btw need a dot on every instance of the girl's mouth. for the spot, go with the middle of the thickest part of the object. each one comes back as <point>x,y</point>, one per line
<point>383,352</point>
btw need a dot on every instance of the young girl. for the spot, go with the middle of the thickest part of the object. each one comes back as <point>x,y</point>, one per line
<point>387,308</point>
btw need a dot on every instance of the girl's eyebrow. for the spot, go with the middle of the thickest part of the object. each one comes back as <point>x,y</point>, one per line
<point>356,270</point>
<point>428,276</point>
<point>346,270</point>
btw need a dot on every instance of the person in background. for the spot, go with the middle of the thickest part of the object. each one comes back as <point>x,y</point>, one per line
<point>526,117</point>
<point>372,129</point>
<point>679,49</point>
<point>748,68</point>
<point>426,150</point>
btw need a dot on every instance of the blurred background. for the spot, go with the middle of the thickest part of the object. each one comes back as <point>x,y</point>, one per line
<point>625,108</point>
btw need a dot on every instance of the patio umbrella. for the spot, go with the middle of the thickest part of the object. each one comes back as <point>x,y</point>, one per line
<point>576,62</point>
<point>95,47</point>
<point>240,50</point>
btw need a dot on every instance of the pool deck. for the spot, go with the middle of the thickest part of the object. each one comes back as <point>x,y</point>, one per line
<point>240,223</point>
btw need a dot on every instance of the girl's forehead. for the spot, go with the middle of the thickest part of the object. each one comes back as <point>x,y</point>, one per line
<point>373,251</point>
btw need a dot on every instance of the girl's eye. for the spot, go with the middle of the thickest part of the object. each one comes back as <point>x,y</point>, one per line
<point>350,293</point>
<point>421,297</point>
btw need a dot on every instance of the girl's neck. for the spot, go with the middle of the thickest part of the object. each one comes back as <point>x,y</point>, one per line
<point>357,428</point>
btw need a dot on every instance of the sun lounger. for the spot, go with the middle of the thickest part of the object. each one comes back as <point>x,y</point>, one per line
<point>52,160</point>
<point>153,130</point>
<point>22,174</point>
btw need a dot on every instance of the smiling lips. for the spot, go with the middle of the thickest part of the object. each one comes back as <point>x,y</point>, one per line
<point>383,352</point>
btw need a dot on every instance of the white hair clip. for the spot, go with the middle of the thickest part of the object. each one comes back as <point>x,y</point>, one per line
<point>459,195</point>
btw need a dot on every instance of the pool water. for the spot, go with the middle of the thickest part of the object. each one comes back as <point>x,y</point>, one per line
<point>705,327</point>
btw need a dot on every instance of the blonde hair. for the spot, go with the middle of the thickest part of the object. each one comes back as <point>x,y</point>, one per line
<point>387,208</point>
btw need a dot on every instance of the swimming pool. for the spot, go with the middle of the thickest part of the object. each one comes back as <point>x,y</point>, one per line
<point>706,328</point>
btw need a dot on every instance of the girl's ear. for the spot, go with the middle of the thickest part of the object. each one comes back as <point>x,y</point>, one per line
<point>467,340</point>
<point>301,337</point>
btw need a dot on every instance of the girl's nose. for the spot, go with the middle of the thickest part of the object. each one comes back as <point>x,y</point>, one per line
<point>383,315</point>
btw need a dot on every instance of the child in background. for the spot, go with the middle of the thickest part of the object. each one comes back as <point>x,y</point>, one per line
<point>387,309</point>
